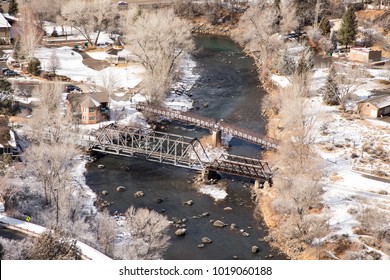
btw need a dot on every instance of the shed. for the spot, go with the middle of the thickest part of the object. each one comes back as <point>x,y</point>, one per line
<point>365,55</point>
<point>375,106</point>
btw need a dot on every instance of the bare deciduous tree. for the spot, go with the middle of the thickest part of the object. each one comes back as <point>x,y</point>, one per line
<point>109,81</point>
<point>106,232</point>
<point>49,122</point>
<point>148,238</point>
<point>160,40</point>
<point>289,20</point>
<point>46,10</point>
<point>50,163</point>
<point>89,17</point>
<point>54,62</point>
<point>28,33</point>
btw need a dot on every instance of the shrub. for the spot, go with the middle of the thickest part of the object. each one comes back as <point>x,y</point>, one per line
<point>54,33</point>
<point>34,66</point>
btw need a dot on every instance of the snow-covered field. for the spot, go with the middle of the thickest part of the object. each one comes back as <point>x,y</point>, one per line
<point>71,65</point>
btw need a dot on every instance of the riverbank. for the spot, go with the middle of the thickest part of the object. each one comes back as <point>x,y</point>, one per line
<point>264,196</point>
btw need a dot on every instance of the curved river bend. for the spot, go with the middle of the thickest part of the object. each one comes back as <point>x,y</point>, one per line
<point>228,84</point>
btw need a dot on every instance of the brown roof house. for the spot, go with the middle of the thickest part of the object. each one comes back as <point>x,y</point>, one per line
<point>375,106</point>
<point>88,108</point>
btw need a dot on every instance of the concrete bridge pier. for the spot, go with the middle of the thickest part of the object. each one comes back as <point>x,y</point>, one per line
<point>216,139</point>
<point>208,174</point>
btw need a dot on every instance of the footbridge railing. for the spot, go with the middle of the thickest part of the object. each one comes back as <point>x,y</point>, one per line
<point>209,123</point>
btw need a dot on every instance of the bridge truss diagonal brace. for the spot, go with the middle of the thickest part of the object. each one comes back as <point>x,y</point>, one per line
<point>155,146</point>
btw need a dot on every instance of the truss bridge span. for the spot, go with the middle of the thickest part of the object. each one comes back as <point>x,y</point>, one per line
<point>174,150</point>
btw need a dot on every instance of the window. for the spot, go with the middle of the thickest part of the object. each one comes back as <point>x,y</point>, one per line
<point>91,110</point>
<point>91,118</point>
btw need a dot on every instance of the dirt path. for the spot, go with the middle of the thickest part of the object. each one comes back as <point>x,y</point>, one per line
<point>94,63</point>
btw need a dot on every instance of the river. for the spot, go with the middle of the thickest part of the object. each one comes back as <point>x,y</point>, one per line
<point>228,84</point>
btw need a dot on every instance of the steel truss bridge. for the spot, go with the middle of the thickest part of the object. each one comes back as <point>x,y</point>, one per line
<point>239,132</point>
<point>174,150</point>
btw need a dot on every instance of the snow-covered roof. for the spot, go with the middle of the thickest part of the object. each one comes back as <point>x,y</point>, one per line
<point>4,22</point>
<point>380,102</point>
<point>9,17</point>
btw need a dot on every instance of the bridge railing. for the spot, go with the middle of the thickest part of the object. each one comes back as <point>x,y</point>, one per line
<point>210,123</point>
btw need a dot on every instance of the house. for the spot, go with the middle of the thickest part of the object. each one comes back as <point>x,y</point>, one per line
<point>7,138</point>
<point>5,30</point>
<point>88,108</point>
<point>375,106</point>
<point>365,55</point>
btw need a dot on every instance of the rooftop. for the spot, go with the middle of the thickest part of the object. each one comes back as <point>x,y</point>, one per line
<point>380,101</point>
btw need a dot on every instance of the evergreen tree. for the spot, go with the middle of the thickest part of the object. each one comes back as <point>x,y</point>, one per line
<point>330,90</point>
<point>324,26</point>
<point>348,29</point>
<point>13,7</point>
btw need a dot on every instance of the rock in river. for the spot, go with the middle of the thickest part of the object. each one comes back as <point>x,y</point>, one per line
<point>101,166</point>
<point>219,224</point>
<point>120,189</point>
<point>180,232</point>
<point>104,192</point>
<point>139,194</point>
<point>206,240</point>
<point>255,249</point>
<point>189,202</point>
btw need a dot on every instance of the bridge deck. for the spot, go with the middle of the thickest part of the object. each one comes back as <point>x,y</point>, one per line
<point>264,141</point>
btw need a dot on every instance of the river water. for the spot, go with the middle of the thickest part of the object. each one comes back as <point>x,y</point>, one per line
<point>228,84</point>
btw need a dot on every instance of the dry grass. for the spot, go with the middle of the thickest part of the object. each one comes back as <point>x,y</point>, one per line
<point>369,14</point>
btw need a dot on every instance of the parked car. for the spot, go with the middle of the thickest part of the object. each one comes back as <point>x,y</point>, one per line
<point>10,73</point>
<point>4,69</point>
<point>70,88</point>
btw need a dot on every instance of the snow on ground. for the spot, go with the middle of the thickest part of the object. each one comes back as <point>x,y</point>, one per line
<point>86,250</point>
<point>177,99</point>
<point>340,143</point>
<point>215,191</point>
<point>71,65</point>
<point>78,180</point>
<point>280,81</point>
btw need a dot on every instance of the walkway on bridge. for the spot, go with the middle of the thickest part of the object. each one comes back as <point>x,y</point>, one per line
<point>174,150</point>
<point>212,124</point>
